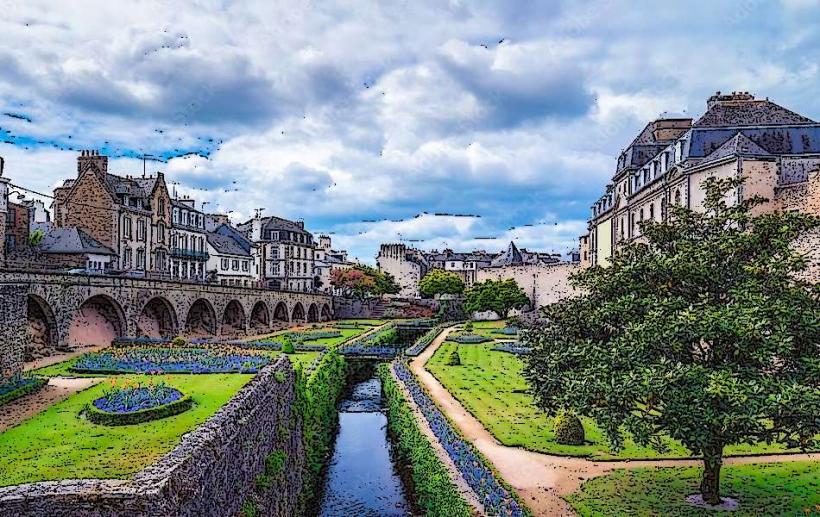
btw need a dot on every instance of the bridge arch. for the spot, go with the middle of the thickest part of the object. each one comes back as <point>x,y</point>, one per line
<point>298,314</point>
<point>42,339</point>
<point>234,320</point>
<point>201,318</point>
<point>98,321</point>
<point>280,312</point>
<point>260,316</point>
<point>158,318</point>
<point>326,314</point>
<point>313,313</point>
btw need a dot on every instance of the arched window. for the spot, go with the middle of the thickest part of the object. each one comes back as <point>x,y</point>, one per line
<point>677,196</point>
<point>652,210</point>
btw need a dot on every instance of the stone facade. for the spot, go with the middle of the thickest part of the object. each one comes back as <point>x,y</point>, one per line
<point>407,265</point>
<point>286,252</point>
<point>210,473</point>
<point>543,283</point>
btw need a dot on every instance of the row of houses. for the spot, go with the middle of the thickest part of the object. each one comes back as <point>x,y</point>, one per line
<point>776,150</point>
<point>107,223</point>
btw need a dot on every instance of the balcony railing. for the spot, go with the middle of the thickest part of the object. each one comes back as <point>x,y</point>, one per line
<point>189,254</point>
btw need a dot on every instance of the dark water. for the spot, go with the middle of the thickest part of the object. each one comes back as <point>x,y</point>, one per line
<point>361,478</point>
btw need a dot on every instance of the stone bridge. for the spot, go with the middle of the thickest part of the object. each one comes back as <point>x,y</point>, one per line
<point>44,312</point>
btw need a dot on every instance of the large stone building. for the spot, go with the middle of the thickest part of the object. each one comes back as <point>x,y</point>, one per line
<point>189,253</point>
<point>774,148</point>
<point>231,258</point>
<point>326,260</point>
<point>286,252</point>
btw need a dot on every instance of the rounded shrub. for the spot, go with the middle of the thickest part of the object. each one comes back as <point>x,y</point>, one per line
<point>454,359</point>
<point>179,341</point>
<point>468,327</point>
<point>98,416</point>
<point>568,429</point>
<point>287,346</point>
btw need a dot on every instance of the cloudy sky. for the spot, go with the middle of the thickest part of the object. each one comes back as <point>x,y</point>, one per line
<point>453,123</point>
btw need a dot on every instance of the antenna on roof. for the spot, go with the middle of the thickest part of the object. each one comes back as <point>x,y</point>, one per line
<point>258,212</point>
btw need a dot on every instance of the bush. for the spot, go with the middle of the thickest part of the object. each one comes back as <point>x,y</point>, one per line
<point>20,386</point>
<point>471,339</point>
<point>179,341</point>
<point>468,327</point>
<point>454,359</point>
<point>98,416</point>
<point>568,429</point>
<point>287,346</point>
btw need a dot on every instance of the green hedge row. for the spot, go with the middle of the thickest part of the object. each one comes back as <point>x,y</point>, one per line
<point>435,492</point>
<point>29,387</point>
<point>101,417</point>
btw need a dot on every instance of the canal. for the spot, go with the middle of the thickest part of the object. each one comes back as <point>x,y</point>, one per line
<point>361,477</point>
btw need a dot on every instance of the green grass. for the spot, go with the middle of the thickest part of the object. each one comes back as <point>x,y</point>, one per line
<point>347,334</point>
<point>59,444</point>
<point>791,488</point>
<point>491,386</point>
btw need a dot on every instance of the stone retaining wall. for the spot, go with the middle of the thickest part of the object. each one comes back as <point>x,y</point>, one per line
<point>210,473</point>
<point>350,308</point>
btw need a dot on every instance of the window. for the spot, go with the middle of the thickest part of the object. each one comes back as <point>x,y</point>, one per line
<point>641,214</point>
<point>652,210</point>
<point>161,233</point>
<point>274,253</point>
<point>245,266</point>
<point>225,264</point>
<point>176,215</point>
<point>126,227</point>
<point>140,259</point>
<point>141,233</point>
<point>127,257</point>
<point>11,241</point>
<point>184,270</point>
<point>235,265</point>
<point>677,197</point>
<point>161,207</point>
<point>12,217</point>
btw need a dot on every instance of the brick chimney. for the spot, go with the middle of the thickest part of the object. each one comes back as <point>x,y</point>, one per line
<point>92,159</point>
<point>730,98</point>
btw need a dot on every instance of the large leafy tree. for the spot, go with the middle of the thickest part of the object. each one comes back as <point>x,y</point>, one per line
<point>439,281</point>
<point>702,332</point>
<point>499,296</point>
<point>361,281</point>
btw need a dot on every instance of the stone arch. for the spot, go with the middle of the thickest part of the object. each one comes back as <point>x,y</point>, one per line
<point>42,329</point>
<point>233,319</point>
<point>260,316</point>
<point>313,313</point>
<point>157,319</point>
<point>298,314</point>
<point>326,314</point>
<point>201,318</point>
<point>98,321</point>
<point>280,312</point>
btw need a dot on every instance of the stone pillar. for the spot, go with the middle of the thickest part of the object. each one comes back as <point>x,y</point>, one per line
<point>13,328</point>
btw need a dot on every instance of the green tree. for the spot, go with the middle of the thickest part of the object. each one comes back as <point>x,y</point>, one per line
<point>438,281</point>
<point>361,281</point>
<point>499,296</point>
<point>702,333</point>
<point>36,237</point>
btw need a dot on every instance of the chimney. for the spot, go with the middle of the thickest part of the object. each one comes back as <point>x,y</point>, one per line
<point>256,229</point>
<point>731,98</point>
<point>324,242</point>
<point>92,159</point>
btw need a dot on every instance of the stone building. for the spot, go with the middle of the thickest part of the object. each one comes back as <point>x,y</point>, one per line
<point>326,260</point>
<point>75,249</point>
<point>407,265</point>
<point>189,253</point>
<point>465,265</point>
<point>286,252</point>
<point>230,261</point>
<point>738,135</point>
<point>18,228</point>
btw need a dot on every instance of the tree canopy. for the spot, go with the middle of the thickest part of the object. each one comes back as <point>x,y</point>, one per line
<point>439,281</point>
<point>361,281</point>
<point>702,332</point>
<point>499,296</point>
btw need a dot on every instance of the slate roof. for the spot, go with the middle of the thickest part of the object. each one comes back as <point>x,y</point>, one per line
<point>72,240</point>
<point>277,223</point>
<point>226,245</point>
<point>510,257</point>
<point>749,113</point>
<point>236,235</point>
<point>803,139</point>
<point>739,144</point>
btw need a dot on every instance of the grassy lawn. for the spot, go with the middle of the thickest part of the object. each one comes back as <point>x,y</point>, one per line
<point>347,333</point>
<point>491,386</point>
<point>59,444</point>
<point>765,489</point>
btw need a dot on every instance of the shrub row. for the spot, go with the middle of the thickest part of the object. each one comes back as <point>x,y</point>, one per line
<point>469,339</point>
<point>424,341</point>
<point>435,492</point>
<point>497,498</point>
<point>381,343</point>
<point>19,387</point>
<point>101,417</point>
<point>512,347</point>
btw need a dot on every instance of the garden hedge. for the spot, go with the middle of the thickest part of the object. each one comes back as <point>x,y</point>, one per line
<point>435,492</point>
<point>101,417</point>
<point>29,387</point>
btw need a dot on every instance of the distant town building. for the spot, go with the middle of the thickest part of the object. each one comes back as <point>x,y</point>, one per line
<point>326,260</point>
<point>286,252</point>
<point>189,253</point>
<point>230,261</point>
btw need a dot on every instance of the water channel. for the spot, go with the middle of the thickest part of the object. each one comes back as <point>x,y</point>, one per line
<point>361,477</point>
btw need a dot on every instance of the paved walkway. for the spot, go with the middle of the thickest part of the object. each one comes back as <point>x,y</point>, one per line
<point>541,479</point>
<point>57,390</point>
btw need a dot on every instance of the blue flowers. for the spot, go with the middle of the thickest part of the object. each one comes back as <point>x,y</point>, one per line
<point>507,331</point>
<point>470,339</point>
<point>132,398</point>
<point>171,360</point>
<point>425,340</point>
<point>497,500</point>
<point>512,347</point>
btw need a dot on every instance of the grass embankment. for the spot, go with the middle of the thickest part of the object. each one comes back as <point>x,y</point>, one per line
<point>435,493</point>
<point>60,444</point>
<point>491,386</point>
<point>791,488</point>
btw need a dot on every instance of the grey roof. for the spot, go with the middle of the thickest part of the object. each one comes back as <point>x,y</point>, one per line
<point>278,223</point>
<point>72,240</point>
<point>803,139</point>
<point>226,245</point>
<point>236,235</point>
<point>511,256</point>
<point>180,204</point>
<point>749,113</point>
<point>739,144</point>
<point>147,184</point>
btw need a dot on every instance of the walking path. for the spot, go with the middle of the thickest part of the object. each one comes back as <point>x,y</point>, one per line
<point>541,479</point>
<point>57,389</point>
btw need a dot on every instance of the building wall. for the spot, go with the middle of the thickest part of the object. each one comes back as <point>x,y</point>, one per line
<point>603,242</point>
<point>407,273</point>
<point>543,284</point>
<point>805,197</point>
<point>17,225</point>
<point>89,206</point>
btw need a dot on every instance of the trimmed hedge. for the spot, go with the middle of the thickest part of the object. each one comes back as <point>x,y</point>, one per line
<point>568,429</point>
<point>24,389</point>
<point>101,417</point>
<point>435,492</point>
<point>470,339</point>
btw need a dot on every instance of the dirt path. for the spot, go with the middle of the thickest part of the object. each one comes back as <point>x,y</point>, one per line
<point>65,356</point>
<point>541,479</point>
<point>57,389</point>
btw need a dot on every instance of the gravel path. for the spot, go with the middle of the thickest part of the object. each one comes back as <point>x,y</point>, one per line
<point>57,389</point>
<point>541,479</point>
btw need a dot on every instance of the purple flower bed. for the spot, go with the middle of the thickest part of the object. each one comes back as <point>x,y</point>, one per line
<point>171,360</point>
<point>507,331</point>
<point>470,339</point>
<point>128,399</point>
<point>513,347</point>
<point>497,500</point>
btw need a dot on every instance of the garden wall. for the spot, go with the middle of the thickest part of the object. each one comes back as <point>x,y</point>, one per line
<point>349,308</point>
<point>212,471</point>
<point>13,329</point>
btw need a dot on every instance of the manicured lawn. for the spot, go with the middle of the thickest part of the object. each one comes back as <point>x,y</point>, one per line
<point>765,489</point>
<point>59,444</point>
<point>491,386</point>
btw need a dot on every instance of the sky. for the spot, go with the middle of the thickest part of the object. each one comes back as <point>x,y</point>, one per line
<point>460,124</point>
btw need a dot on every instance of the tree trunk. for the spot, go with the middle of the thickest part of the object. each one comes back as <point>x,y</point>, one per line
<point>710,484</point>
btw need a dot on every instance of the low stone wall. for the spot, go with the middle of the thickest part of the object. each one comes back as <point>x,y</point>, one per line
<point>210,473</point>
<point>349,308</point>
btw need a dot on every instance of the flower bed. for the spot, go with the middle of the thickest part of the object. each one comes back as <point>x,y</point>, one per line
<point>134,404</point>
<point>496,498</point>
<point>507,331</point>
<point>171,360</point>
<point>512,347</point>
<point>419,322</point>
<point>144,340</point>
<point>425,340</point>
<point>18,386</point>
<point>383,343</point>
<point>469,339</point>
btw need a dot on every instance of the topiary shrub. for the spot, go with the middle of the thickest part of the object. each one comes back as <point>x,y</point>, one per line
<point>287,346</point>
<point>468,327</point>
<point>179,341</point>
<point>454,359</point>
<point>568,429</point>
